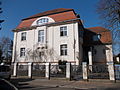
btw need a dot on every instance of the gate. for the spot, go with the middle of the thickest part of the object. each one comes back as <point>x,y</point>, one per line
<point>58,71</point>
<point>38,70</point>
<point>22,70</point>
<point>76,71</point>
<point>117,72</point>
<point>99,71</point>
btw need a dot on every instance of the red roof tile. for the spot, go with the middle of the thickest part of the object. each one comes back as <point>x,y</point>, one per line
<point>58,15</point>
<point>97,29</point>
<point>50,12</point>
<point>106,36</point>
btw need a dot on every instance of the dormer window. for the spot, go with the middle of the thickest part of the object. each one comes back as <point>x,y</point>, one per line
<point>42,21</point>
<point>96,37</point>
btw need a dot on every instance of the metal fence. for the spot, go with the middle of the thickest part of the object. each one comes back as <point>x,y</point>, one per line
<point>38,70</point>
<point>117,72</point>
<point>11,67</point>
<point>98,71</point>
<point>76,71</point>
<point>22,70</point>
<point>58,71</point>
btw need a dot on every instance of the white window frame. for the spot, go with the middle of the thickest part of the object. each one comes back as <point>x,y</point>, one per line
<point>63,31</point>
<point>41,36</point>
<point>23,36</point>
<point>63,50</point>
<point>22,52</point>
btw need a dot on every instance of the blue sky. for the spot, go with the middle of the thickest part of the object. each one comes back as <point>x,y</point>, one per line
<point>15,10</point>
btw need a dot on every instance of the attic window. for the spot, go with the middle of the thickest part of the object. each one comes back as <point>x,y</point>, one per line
<point>42,20</point>
<point>96,37</point>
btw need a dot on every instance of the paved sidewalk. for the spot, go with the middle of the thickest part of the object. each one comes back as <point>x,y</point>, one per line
<point>40,84</point>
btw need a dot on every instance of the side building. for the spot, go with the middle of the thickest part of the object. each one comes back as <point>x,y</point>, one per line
<point>49,37</point>
<point>97,45</point>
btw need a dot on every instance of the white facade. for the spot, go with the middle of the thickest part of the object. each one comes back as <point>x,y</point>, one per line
<point>51,43</point>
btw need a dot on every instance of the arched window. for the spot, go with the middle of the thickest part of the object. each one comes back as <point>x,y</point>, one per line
<point>42,20</point>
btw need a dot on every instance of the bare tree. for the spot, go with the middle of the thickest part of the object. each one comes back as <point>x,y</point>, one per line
<point>109,11</point>
<point>6,49</point>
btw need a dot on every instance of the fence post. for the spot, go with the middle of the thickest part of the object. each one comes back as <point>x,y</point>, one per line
<point>90,60</point>
<point>68,71</point>
<point>47,73</point>
<point>30,69</point>
<point>85,71</point>
<point>111,71</point>
<point>118,60</point>
<point>15,69</point>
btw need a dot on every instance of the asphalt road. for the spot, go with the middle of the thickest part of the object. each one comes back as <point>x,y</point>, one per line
<point>45,84</point>
<point>44,88</point>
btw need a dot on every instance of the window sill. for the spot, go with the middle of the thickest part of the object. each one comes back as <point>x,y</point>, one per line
<point>63,55</point>
<point>22,56</point>
<point>63,36</point>
<point>23,40</point>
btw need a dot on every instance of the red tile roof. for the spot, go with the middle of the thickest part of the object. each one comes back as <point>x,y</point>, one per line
<point>58,15</point>
<point>106,36</point>
<point>97,29</point>
<point>50,12</point>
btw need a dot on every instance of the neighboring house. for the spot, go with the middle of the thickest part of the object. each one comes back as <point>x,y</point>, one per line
<point>98,40</point>
<point>59,35</point>
<point>49,37</point>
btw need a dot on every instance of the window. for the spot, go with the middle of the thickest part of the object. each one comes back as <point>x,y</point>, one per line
<point>43,20</point>
<point>22,52</point>
<point>96,37</point>
<point>63,31</point>
<point>23,36</point>
<point>63,49</point>
<point>41,36</point>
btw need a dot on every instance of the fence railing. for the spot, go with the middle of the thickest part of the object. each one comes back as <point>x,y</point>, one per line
<point>58,71</point>
<point>117,71</point>
<point>78,72</point>
<point>22,70</point>
<point>38,70</point>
